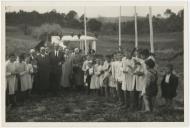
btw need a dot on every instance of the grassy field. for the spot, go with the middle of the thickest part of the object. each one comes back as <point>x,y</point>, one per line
<point>67,107</point>
<point>77,106</point>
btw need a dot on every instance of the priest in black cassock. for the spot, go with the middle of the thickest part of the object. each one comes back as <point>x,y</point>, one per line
<point>56,60</point>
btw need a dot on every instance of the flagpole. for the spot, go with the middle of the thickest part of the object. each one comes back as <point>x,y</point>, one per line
<point>120,28</point>
<point>136,31</point>
<point>151,31</point>
<point>85,30</point>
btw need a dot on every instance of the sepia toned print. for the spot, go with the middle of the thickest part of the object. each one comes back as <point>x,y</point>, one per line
<point>94,64</point>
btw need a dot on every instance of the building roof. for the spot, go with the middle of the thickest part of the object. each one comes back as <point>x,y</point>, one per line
<point>76,38</point>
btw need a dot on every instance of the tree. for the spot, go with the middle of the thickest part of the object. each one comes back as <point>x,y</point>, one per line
<point>168,13</point>
<point>71,15</point>
<point>180,13</point>
<point>94,25</point>
<point>82,18</point>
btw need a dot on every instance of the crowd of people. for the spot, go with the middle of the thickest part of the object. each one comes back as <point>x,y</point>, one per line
<point>128,78</point>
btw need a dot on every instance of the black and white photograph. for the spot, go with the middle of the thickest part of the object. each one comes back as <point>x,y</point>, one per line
<point>94,63</point>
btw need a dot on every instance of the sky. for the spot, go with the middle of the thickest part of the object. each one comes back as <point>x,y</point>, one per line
<point>96,11</point>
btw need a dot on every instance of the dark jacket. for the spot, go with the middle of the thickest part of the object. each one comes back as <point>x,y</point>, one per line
<point>169,89</point>
<point>151,83</point>
<point>56,62</point>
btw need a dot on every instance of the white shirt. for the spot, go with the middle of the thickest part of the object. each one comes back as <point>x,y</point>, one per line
<point>32,57</point>
<point>118,71</point>
<point>42,55</point>
<point>56,53</point>
<point>140,81</point>
<point>91,70</point>
<point>85,65</point>
<point>167,78</point>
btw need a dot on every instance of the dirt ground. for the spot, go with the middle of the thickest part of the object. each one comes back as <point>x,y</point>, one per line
<point>73,106</point>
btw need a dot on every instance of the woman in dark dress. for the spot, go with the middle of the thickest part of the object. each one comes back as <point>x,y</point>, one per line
<point>78,74</point>
<point>169,85</point>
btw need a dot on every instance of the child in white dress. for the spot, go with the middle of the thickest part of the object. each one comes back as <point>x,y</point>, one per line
<point>127,83</point>
<point>119,78</point>
<point>95,83</point>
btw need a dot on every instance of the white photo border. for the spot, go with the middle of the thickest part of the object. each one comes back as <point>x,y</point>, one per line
<point>96,3</point>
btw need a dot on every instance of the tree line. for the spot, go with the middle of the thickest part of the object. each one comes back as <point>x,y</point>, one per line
<point>171,22</point>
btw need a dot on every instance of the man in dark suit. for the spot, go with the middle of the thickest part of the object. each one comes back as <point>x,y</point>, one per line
<point>43,72</point>
<point>169,85</point>
<point>56,60</point>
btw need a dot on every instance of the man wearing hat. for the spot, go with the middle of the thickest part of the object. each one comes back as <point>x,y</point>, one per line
<point>56,60</point>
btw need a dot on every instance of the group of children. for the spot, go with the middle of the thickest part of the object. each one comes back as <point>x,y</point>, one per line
<point>18,78</point>
<point>130,79</point>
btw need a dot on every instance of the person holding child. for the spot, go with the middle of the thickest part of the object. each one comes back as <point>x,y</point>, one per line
<point>138,79</point>
<point>150,90</point>
<point>127,83</point>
